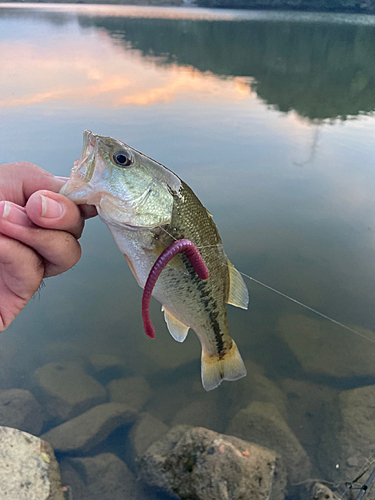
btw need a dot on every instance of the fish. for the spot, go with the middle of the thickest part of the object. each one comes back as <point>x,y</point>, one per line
<point>147,208</point>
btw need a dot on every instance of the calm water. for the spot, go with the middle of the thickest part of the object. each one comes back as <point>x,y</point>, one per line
<point>269,117</point>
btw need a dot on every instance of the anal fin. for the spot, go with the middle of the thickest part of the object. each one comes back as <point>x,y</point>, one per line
<point>176,328</point>
<point>238,294</point>
<point>217,368</point>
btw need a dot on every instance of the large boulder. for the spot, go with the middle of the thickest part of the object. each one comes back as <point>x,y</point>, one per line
<point>347,440</point>
<point>19,409</point>
<point>89,429</point>
<point>205,465</point>
<point>261,423</point>
<point>327,349</point>
<point>66,390</point>
<point>28,468</point>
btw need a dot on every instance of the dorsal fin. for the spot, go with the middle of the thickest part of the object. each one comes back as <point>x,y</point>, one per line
<point>238,294</point>
<point>176,328</point>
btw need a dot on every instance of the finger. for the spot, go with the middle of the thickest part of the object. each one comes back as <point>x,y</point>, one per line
<point>23,179</point>
<point>21,273</point>
<point>55,211</point>
<point>59,249</point>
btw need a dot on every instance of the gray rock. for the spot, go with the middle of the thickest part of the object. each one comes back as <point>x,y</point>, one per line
<point>144,433</point>
<point>28,467</point>
<point>261,423</point>
<point>204,465</point>
<point>347,441</point>
<point>89,429</point>
<point>132,391</point>
<point>325,348</point>
<point>66,390</point>
<point>19,409</point>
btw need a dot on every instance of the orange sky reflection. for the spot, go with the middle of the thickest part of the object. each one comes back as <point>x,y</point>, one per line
<point>99,73</point>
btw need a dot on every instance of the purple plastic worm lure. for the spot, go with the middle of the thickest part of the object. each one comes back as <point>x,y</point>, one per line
<point>175,248</point>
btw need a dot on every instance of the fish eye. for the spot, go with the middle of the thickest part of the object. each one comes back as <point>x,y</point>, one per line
<point>122,158</point>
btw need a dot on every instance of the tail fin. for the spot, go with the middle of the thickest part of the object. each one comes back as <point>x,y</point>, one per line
<point>215,369</point>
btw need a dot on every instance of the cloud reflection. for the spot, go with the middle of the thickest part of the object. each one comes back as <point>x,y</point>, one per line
<point>98,73</point>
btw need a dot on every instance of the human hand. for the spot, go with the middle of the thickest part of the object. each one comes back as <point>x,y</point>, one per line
<point>39,229</point>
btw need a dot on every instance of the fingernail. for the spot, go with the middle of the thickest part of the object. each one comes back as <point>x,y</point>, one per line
<point>50,208</point>
<point>14,214</point>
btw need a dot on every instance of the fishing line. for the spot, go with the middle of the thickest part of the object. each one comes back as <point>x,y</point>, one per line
<point>338,323</point>
<point>308,308</point>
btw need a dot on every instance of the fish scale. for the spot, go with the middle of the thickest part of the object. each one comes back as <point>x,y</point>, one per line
<point>147,207</point>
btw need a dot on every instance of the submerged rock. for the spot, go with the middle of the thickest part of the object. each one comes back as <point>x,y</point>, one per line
<point>144,433</point>
<point>256,387</point>
<point>102,477</point>
<point>19,409</point>
<point>347,442</point>
<point>66,390</point>
<point>325,348</point>
<point>28,468</point>
<point>132,391</point>
<point>102,362</point>
<point>306,415</point>
<point>89,429</point>
<point>261,423</point>
<point>205,465</point>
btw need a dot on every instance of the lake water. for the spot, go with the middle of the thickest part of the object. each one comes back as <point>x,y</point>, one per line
<point>269,117</point>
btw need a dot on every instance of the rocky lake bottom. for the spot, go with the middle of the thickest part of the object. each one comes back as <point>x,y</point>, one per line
<point>118,435</point>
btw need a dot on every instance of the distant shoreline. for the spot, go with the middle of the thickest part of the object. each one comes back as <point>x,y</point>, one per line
<point>318,6</point>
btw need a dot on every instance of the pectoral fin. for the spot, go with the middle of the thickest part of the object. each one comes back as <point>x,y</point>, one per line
<point>177,329</point>
<point>238,293</point>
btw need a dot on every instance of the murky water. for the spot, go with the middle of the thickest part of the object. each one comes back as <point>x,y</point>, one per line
<point>269,117</point>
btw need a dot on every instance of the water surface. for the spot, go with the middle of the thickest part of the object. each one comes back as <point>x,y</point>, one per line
<point>269,117</point>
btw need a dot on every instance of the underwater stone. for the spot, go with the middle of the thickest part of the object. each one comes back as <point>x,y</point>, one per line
<point>205,465</point>
<point>132,391</point>
<point>105,361</point>
<point>347,441</point>
<point>144,432</point>
<point>256,387</point>
<point>28,468</point>
<point>306,403</point>
<point>19,409</point>
<point>91,428</point>
<point>107,478</point>
<point>66,390</point>
<point>325,348</point>
<point>261,423</point>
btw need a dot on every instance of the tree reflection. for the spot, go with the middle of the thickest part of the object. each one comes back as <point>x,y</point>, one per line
<point>321,70</point>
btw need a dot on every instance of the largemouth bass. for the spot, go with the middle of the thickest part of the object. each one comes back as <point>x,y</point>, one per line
<point>147,207</point>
